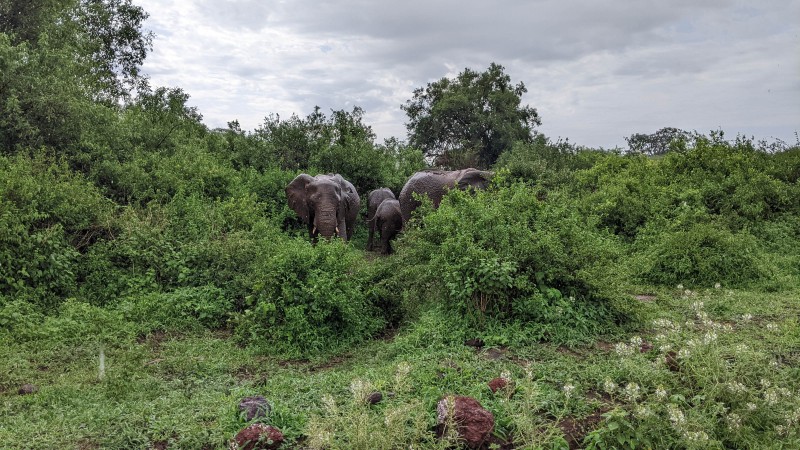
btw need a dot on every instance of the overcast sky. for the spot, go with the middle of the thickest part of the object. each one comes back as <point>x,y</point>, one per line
<point>596,70</point>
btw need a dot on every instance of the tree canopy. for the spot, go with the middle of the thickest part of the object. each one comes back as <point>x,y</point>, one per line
<point>471,119</point>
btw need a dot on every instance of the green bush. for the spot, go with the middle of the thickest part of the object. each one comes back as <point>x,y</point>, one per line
<point>307,299</point>
<point>502,254</point>
<point>47,216</point>
<point>698,254</point>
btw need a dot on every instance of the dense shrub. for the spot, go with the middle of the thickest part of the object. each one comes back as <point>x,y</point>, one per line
<point>698,254</point>
<point>307,299</point>
<point>504,254</point>
<point>47,215</point>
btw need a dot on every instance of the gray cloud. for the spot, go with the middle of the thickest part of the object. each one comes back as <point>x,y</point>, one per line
<point>596,70</point>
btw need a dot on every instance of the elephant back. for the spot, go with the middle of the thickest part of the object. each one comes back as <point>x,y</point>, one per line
<point>435,185</point>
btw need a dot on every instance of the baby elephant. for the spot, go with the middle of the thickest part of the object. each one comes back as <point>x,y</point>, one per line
<point>389,223</point>
<point>374,199</point>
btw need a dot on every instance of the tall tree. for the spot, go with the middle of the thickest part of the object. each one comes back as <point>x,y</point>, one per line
<point>657,143</point>
<point>62,62</point>
<point>471,119</point>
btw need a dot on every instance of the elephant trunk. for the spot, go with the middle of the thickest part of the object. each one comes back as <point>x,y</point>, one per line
<point>326,223</point>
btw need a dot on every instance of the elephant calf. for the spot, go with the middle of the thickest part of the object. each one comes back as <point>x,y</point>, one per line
<point>374,199</point>
<point>435,184</point>
<point>328,204</point>
<point>389,223</point>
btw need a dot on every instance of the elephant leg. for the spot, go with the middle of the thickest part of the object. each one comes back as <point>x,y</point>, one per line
<point>370,239</point>
<point>386,237</point>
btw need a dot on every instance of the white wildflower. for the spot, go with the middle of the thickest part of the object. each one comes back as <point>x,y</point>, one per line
<point>609,386</point>
<point>329,405</point>
<point>684,353</point>
<point>736,387</point>
<point>751,406</point>
<point>506,375</point>
<point>661,393</point>
<point>631,391</point>
<point>700,436</point>
<point>680,287</point>
<point>676,416</point>
<point>636,341</point>
<point>709,337</point>
<point>624,349</point>
<point>717,286</point>
<point>771,326</point>
<point>642,412</point>
<point>747,317</point>
<point>734,421</point>
<point>781,430</point>
<point>742,348</point>
<point>361,390</point>
<point>765,383</point>
<point>568,388</point>
<point>687,293</point>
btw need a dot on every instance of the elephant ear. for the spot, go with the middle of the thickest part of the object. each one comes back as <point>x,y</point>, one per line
<point>477,179</point>
<point>296,194</point>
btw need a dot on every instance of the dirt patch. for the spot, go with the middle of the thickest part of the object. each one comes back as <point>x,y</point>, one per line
<point>568,351</point>
<point>495,354</point>
<point>153,340</point>
<point>604,346</point>
<point>645,298</point>
<point>575,430</point>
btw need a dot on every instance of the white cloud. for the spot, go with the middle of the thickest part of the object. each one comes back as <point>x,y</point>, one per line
<point>597,71</point>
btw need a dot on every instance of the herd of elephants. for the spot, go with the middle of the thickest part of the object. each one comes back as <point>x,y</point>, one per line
<point>329,204</point>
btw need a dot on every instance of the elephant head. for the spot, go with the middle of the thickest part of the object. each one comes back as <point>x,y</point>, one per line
<point>435,185</point>
<point>328,204</point>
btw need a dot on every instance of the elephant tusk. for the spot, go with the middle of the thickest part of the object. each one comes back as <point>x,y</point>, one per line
<point>337,230</point>
<point>314,231</point>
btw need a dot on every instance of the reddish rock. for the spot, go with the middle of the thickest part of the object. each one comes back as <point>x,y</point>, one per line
<point>258,437</point>
<point>374,398</point>
<point>27,389</point>
<point>474,423</point>
<point>497,384</point>
<point>254,407</point>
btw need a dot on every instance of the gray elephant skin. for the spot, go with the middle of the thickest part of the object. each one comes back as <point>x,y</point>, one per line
<point>435,185</point>
<point>328,204</point>
<point>374,199</point>
<point>389,223</point>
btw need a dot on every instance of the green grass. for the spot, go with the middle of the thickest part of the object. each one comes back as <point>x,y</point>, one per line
<point>737,385</point>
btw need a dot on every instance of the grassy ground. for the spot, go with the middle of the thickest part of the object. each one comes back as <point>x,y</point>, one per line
<point>709,369</point>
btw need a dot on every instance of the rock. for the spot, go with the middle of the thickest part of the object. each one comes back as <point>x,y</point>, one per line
<point>474,424</point>
<point>477,343</point>
<point>258,437</point>
<point>374,398</point>
<point>254,407</point>
<point>27,389</point>
<point>498,384</point>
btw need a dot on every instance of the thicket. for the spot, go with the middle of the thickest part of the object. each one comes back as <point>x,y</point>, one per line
<point>120,201</point>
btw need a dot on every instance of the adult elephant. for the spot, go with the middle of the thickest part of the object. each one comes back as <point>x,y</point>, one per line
<point>435,184</point>
<point>328,204</point>
<point>374,199</point>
